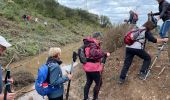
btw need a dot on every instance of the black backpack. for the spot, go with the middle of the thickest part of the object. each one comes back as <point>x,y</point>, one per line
<point>81,54</point>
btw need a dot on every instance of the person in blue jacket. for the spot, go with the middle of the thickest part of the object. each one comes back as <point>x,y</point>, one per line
<point>55,76</point>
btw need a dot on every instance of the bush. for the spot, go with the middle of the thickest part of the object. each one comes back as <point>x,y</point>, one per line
<point>113,39</point>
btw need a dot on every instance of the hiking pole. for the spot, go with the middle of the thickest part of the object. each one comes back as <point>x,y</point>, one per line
<point>154,61</point>
<point>74,56</point>
<point>7,83</point>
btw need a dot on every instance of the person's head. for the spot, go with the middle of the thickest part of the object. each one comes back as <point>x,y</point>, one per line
<point>159,1</point>
<point>98,36</point>
<point>54,52</point>
<point>149,25</point>
<point>131,12</point>
<point>3,45</point>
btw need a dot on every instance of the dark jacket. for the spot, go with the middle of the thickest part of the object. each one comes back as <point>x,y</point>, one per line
<point>56,77</point>
<point>131,18</point>
<point>164,10</point>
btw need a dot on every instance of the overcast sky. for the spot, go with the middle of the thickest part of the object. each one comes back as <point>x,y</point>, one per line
<point>116,10</point>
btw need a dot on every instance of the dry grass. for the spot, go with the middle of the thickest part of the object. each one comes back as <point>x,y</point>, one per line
<point>113,39</point>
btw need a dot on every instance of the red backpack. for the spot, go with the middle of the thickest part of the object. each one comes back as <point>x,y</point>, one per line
<point>132,36</point>
<point>135,17</point>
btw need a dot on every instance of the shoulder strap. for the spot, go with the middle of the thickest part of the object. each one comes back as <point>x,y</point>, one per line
<point>48,75</point>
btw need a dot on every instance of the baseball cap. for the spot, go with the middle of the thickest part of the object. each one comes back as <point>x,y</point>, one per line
<point>4,42</point>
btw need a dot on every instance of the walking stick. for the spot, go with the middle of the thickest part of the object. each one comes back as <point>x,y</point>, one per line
<point>7,83</point>
<point>154,61</point>
<point>74,56</point>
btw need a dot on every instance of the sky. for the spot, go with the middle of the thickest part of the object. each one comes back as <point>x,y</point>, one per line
<point>116,10</point>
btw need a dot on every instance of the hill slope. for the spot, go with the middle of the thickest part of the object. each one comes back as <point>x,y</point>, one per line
<point>156,87</point>
<point>64,25</point>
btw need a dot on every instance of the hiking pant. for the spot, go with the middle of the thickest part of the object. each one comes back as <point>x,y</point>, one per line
<point>130,53</point>
<point>58,98</point>
<point>96,77</point>
<point>164,29</point>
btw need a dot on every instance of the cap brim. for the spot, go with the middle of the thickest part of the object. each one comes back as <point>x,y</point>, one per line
<point>5,44</point>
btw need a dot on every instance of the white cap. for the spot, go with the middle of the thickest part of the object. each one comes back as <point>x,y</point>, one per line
<point>4,42</point>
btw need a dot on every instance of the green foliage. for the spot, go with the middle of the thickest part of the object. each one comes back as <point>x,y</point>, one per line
<point>105,21</point>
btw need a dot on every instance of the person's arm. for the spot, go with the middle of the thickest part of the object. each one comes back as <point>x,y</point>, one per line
<point>55,78</point>
<point>165,7</point>
<point>150,37</point>
<point>155,14</point>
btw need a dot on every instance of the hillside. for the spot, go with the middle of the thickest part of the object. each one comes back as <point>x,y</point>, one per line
<point>64,25</point>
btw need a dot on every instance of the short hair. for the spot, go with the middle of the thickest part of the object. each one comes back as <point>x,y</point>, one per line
<point>149,25</point>
<point>97,34</point>
<point>54,51</point>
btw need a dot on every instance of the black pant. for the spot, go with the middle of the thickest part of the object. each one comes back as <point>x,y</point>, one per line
<point>96,77</point>
<point>58,98</point>
<point>130,53</point>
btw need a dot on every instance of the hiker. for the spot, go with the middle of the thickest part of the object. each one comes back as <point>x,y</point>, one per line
<point>3,46</point>
<point>93,67</point>
<point>133,18</point>
<point>164,14</point>
<point>26,17</point>
<point>56,78</point>
<point>137,48</point>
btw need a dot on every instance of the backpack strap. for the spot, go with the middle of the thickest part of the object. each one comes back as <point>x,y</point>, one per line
<point>140,31</point>
<point>48,75</point>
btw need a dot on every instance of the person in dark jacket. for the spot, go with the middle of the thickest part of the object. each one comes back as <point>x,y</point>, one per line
<point>137,48</point>
<point>55,75</point>
<point>133,18</point>
<point>93,67</point>
<point>164,14</point>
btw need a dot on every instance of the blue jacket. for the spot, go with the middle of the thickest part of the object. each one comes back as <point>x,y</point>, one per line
<point>56,78</point>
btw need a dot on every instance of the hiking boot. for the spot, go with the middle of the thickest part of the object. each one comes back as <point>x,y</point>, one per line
<point>121,81</point>
<point>142,76</point>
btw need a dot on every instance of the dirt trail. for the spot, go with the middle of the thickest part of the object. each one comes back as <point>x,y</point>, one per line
<point>156,87</point>
<point>31,64</point>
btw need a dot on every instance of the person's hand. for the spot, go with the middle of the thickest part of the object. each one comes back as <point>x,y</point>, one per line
<point>11,96</point>
<point>9,80</point>
<point>107,54</point>
<point>158,18</point>
<point>69,76</point>
<point>165,39</point>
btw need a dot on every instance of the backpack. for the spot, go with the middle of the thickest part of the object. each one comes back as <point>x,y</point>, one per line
<point>132,36</point>
<point>81,54</point>
<point>42,86</point>
<point>135,17</point>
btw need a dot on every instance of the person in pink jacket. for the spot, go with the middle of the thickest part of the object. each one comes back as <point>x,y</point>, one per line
<point>93,67</point>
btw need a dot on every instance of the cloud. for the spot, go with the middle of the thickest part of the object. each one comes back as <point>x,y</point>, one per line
<point>116,10</point>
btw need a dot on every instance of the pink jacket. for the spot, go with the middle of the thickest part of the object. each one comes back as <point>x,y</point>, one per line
<point>93,50</point>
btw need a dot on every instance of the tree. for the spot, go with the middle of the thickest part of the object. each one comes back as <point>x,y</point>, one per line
<point>105,21</point>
